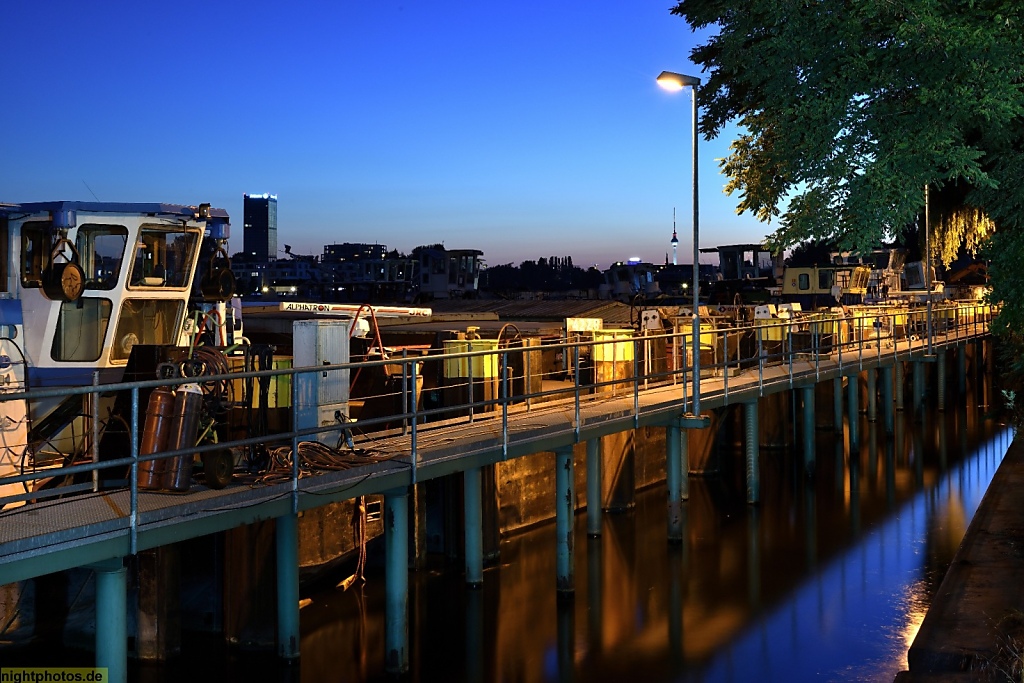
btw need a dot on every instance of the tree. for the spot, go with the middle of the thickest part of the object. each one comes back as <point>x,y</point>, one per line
<point>849,109</point>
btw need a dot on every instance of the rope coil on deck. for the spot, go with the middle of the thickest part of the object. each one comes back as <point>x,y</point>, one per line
<point>315,458</point>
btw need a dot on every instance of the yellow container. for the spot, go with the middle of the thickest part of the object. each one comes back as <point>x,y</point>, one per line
<point>771,329</point>
<point>707,336</point>
<point>613,345</point>
<point>484,366</point>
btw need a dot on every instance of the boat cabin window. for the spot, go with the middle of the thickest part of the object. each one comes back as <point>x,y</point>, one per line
<point>163,257</point>
<point>146,321</point>
<point>81,328</point>
<point>100,253</point>
<point>35,251</point>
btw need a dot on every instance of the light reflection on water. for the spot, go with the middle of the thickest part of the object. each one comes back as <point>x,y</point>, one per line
<point>824,581</point>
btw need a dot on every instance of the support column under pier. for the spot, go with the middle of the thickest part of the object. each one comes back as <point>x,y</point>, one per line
<point>112,619</point>
<point>940,393</point>
<point>853,407</point>
<point>872,395</point>
<point>473,520</point>
<point>673,482</point>
<point>887,400</point>
<point>594,487</point>
<point>961,369</point>
<point>808,432</point>
<point>286,533</point>
<point>752,449</point>
<point>918,381</point>
<point>396,581</point>
<point>565,508</point>
<point>837,404</point>
<point>899,383</point>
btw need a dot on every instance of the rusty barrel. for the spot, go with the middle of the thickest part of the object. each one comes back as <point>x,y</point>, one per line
<point>154,437</point>
<point>183,431</point>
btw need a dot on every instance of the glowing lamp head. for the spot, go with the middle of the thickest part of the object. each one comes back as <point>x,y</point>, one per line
<point>669,80</point>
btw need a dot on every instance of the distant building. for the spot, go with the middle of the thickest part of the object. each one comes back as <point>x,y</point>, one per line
<point>336,253</point>
<point>260,227</point>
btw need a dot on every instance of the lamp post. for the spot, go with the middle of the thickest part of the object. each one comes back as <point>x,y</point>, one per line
<point>928,268</point>
<point>673,81</point>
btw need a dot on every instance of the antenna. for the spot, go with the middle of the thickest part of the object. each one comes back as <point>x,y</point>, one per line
<point>90,190</point>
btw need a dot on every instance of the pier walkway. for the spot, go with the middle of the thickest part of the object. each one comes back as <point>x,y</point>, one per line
<point>53,535</point>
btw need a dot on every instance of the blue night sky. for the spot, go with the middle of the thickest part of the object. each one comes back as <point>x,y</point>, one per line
<point>523,129</point>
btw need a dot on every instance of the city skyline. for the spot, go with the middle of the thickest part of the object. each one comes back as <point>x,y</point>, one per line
<point>523,131</point>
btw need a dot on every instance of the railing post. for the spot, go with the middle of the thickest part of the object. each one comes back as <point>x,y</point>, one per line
<point>414,450</point>
<point>405,390</point>
<point>576,377</point>
<point>469,372</point>
<point>95,406</point>
<point>636,384</point>
<point>134,494</point>
<point>504,406</point>
<point>527,375</point>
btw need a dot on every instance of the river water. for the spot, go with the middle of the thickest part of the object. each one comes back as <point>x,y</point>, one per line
<point>826,579</point>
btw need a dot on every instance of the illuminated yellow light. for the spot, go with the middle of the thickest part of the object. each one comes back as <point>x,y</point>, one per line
<point>670,84</point>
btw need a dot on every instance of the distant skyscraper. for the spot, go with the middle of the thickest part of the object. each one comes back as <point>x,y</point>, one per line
<point>260,231</point>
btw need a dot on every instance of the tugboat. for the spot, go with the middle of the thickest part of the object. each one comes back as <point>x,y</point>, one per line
<point>81,285</point>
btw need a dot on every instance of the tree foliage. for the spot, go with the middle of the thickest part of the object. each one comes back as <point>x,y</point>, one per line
<point>848,109</point>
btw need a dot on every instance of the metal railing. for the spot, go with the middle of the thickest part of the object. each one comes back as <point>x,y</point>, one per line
<point>431,392</point>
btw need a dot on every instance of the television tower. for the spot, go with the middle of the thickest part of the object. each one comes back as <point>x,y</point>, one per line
<point>675,240</point>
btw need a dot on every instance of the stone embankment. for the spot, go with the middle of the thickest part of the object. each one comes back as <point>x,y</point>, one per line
<point>974,629</point>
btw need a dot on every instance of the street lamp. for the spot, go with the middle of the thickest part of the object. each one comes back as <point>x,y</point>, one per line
<point>673,81</point>
<point>928,269</point>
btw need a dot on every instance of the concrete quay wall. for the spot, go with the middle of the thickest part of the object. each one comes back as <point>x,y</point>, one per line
<point>976,619</point>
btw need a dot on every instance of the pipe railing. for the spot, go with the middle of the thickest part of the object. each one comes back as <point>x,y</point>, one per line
<point>659,362</point>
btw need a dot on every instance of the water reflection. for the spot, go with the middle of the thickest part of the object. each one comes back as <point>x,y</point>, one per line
<point>828,578</point>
